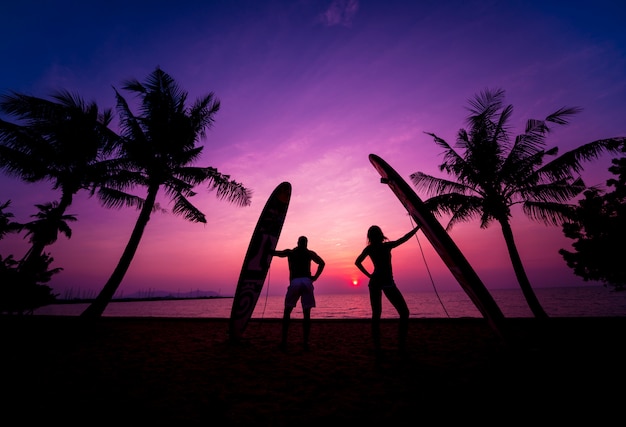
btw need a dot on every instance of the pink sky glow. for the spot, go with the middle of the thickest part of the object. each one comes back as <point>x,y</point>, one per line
<point>308,90</point>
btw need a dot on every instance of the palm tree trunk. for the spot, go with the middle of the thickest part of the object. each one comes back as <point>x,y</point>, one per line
<point>520,273</point>
<point>32,254</point>
<point>97,307</point>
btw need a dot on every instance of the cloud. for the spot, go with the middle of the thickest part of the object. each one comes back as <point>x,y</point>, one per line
<point>340,12</point>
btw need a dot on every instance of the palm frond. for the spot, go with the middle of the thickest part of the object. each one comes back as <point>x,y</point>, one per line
<point>194,175</point>
<point>572,161</point>
<point>186,156</point>
<point>202,114</point>
<point>484,106</point>
<point>432,185</point>
<point>440,142</point>
<point>66,230</point>
<point>548,213</point>
<point>129,124</point>
<point>458,207</point>
<point>228,189</point>
<point>29,110</point>
<point>187,210</point>
<point>520,173</point>
<point>500,138</point>
<point>559,191</point>
<point>175,187</point>
<point>112,198</point>
<point>561,116</point>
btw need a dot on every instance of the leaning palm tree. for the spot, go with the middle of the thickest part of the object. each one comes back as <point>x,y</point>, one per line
<point>494,173</point>
<point>159,146</point>
<point>65,141</point>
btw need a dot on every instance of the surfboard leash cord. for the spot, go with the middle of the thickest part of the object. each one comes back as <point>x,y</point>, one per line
<point>428,269</point>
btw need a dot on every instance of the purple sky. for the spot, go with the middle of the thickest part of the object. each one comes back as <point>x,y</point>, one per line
<point>308,90</point>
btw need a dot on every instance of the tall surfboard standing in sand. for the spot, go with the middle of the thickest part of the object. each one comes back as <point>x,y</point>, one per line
<point>258,257</point>
<point>443,244</point>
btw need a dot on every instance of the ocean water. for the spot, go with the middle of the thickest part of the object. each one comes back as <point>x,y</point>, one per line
<point>587,301</point>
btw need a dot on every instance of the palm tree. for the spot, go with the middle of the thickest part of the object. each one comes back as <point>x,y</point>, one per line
<point>44,230</point>
<point>64,141</point>
<point>160,147</point>
<point>492,175</point>
<point>7,225</point>
<point>22,282</point>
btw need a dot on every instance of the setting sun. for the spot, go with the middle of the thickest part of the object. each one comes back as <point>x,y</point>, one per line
<point>355,282</point>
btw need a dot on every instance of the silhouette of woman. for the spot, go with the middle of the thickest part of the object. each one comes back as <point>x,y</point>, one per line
<point>381,280</point>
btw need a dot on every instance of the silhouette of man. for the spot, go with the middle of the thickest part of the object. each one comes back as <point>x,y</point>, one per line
<point>300,286</point>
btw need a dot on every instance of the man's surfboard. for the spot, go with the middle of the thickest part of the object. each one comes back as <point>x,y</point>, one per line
<point>443,244</point>
<point>258,257</point>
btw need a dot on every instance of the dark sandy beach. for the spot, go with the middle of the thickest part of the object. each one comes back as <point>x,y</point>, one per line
<point>153,371</point>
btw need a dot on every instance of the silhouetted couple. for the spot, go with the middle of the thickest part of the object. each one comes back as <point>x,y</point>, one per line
<point>381,281</point>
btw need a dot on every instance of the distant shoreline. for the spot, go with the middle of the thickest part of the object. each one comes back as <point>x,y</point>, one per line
<point>138,299</point>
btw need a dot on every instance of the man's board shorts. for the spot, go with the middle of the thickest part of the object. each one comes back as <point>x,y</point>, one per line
<point>300,287</point>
